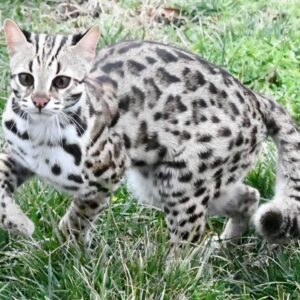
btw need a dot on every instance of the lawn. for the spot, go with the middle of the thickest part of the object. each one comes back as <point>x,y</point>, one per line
<point>259,43</point>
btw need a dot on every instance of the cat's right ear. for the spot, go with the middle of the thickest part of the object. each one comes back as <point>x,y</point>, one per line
<point>15,38</point>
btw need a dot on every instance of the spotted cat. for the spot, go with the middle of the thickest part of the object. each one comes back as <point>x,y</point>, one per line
<point>183,131</point>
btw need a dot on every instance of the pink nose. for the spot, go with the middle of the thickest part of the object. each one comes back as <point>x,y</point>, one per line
<point>40,101</point>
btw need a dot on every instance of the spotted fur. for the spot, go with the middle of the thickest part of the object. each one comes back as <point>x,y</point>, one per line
<point>183,130</point>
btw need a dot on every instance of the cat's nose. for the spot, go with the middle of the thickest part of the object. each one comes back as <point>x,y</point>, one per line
<point>40,101</point>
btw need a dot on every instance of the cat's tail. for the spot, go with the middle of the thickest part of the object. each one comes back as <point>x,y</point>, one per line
<point>279,219</point>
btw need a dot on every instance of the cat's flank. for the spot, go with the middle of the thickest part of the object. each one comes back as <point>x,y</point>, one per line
<point>184,131</point>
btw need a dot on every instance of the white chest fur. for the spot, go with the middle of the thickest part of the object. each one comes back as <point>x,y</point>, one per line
<point>51,150</point>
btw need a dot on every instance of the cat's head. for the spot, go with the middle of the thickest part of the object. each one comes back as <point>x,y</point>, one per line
<point>48,71</point>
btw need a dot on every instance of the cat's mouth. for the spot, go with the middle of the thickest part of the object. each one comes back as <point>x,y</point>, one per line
<point>42,113</point>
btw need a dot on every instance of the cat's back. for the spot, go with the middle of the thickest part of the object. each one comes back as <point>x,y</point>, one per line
<point>176,86</point>
<point>169,64</point>
<point>156,69</point>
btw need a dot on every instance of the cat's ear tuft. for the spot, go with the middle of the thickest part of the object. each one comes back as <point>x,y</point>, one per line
<point>86,46</point>
<point>15,38</point>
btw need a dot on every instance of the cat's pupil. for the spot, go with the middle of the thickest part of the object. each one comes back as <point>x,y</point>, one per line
<point>61,82</point>
<point>26,79</point>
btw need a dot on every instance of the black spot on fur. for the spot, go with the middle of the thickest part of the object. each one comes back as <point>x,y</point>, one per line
<point>124,103</point>
<point>114,120</point>
<point>179,164</point>
<point>128,47</point>
<point>224,94</point>
<point>152,91</point>
<point>234,108</point>
<point>56,170</point>
<point>98,172</point>
<point>239,141</point>
<point>203,118</point>
<point>236,158</point>
<point>205,200</point>
<point>218,174</point>
<point>185,135</point>
<point>75,178</point>
<point>114,67</point>
<point>178,194</point>
<point>198,183</point>
<point>224,132</point>
<point>166,56</point>
<point>205,154</point>
<point>213,89</point>
<point>166,76</point>
<point>152,142</point>
<point>215,119</point>
<point>200,192</point>
<point>193,80</point>
<point>138,163</point>
<point>180,106</point>
<point>17,109</point>
<point>185,177</point>
<point>196,238</point>
<point>191,209</point>
<point>183,55</point>
<point>79,122</point>
<point>185,235</point>
<point>106,79</point>
<point>93,204</point>
<point>204,138</point>
<point>127,142</point>
<point>70,187</point>
<point>164,175</point>
<point>202,167</point>
<point>184,200</point>
<point>11,125</point>
<point>246,122</point>
<point>241,99</point>
<point>217,162</point>
<point>74,150</point>
<point>182,223</point>
<point>150,60</point>
<point>272,126</point>
<point>157,116</point>
<point>202,103</point>
<point>135,67</point>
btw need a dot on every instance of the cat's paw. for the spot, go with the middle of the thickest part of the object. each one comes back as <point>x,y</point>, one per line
<point>71,232</point>
<point>18,223</point>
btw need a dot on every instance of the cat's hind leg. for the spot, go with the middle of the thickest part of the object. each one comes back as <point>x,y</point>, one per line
<point>238,202</point>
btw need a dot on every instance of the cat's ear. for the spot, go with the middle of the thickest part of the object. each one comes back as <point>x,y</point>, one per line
<point>86,46</point>
<point>15,38</point>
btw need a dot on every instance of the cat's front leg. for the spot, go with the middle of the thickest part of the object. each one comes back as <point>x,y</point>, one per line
<point>12,218</point>
<point>78,221</point>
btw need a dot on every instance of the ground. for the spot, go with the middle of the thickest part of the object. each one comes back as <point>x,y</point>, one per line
<point>258,42</point>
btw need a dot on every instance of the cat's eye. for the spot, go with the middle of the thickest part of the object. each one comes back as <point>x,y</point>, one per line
<point>61,82</point>
<point>26,79</point>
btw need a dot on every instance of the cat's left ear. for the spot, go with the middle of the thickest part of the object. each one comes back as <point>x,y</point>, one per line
<point>86,46</point>
<point>15,38</point>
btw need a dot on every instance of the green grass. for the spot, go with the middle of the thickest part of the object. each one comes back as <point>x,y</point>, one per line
<point>258,42</point>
